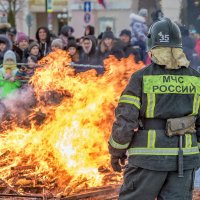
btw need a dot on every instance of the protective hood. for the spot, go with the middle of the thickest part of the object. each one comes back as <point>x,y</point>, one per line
<point>171,58</point>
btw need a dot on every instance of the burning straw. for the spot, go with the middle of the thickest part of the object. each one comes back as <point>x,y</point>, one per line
<point>64,148</point>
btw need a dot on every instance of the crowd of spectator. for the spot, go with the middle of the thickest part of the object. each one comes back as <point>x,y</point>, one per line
<point>17,48</point>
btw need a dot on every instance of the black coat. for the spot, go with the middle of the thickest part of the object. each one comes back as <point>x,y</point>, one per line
<point>90,58</point>
<point>117,50</point>
<point>130,50</point>
<point>45,48</point>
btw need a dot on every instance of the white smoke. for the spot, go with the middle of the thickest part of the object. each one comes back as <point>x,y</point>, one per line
<point>18,103</point>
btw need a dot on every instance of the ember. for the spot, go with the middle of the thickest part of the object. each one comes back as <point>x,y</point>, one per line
<point>64,148</point>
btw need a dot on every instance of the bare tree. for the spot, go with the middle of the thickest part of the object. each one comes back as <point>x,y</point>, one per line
<point>11,8</point>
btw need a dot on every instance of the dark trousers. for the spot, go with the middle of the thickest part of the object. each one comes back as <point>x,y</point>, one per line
<point>143,184</point>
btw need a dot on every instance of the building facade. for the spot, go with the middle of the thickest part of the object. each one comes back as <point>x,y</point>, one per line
<point>78,14</point>
<point>116,14</point>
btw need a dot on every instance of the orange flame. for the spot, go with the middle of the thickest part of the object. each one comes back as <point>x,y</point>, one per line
<point>69,149</point>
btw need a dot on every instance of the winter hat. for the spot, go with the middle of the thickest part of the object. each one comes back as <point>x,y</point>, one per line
<point>2,40</point>
<point>66,29</point>
<point>125,32</point>
<point>57,43</point>
<point>108,34</point>
<point>4,27</point>
<point>33,44</point>
<point>143,12</point>
<point>22,36</point>
<point>9,55</point>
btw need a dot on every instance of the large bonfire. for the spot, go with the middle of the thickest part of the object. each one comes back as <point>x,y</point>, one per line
<point>66,150</point>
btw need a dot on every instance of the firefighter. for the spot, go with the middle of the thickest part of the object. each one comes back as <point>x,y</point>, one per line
<point>157,123</point>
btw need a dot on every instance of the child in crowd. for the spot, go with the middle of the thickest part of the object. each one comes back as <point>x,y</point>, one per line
<point>8,82</point>
<point>26,72</point>
<point>56,44</point>
<point>72,48</point>
<point>21,47</point>
<point>34,50</point>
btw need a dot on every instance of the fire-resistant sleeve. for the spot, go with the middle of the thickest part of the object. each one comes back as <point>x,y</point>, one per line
<point>127,114</point>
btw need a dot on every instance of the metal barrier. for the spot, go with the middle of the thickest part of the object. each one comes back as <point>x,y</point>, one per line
<point>70,64</point>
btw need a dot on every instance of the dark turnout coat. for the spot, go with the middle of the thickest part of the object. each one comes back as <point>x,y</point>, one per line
<point>157,93</point>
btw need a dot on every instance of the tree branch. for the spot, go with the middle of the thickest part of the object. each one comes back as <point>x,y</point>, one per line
<point>21,5</point>
<point>4,8</point>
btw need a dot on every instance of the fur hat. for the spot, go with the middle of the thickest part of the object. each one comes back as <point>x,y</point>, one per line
<point>108,34</point>
<point>4,27</point>
<point>57,43</point>
<point>22,36</point>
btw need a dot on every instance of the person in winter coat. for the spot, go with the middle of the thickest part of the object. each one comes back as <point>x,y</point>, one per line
<point>33,50</point>
<point>12,33</point>
<point>65,33</point>
<point>110,46</point>
<point>89,30</point>
<point>142,47</point>
<point>5,45</point>
<point>89,55</point>
<point>158,123</point>
<point>125,37</point>
<point>21,47</point>
<point>106,44</point>
<point>72,48</point>
<point>157,15</point>
<point>26,72</point>
<point>44,40</point>
<point>56,44</point>
<point>8,82</point>
<point>138,25</point>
